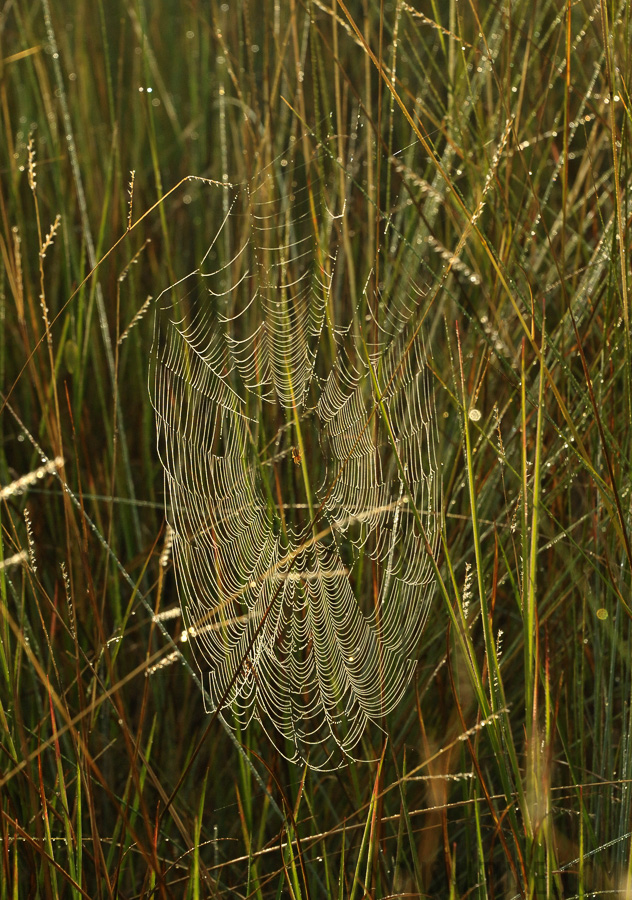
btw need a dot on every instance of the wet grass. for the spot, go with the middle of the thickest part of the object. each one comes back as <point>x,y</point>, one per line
<point>494,140</point>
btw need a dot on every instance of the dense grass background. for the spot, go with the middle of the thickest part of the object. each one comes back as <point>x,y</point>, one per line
<point>495,138</point>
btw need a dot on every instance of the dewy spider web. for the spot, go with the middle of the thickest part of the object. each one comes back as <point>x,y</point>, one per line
<point>285,495</point>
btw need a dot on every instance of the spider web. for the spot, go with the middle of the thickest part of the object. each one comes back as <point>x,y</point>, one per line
<point>303,579</point>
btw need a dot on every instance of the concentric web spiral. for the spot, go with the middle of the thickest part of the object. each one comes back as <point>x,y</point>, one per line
<point>294,446</point>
